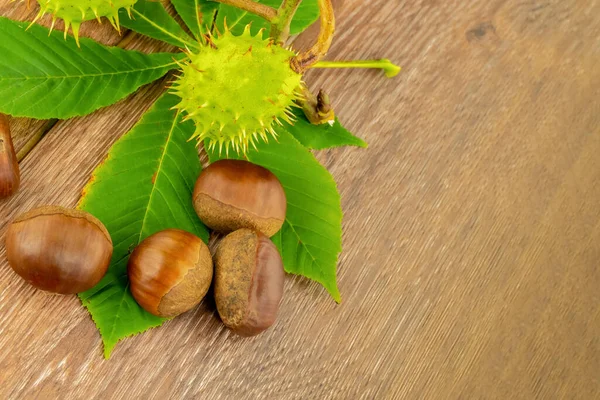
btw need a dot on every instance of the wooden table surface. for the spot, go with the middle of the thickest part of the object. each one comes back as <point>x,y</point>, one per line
<point>471,263</point>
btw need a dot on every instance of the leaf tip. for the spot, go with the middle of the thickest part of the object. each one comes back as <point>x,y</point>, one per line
<point>337,297</point>
<point>108,348</point>
<point>335,293</point>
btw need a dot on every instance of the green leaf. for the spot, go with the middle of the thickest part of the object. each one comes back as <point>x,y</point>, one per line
<point>144,186</point>
<point>46,77</point>
<point>307,14</point>
<point>311,237</point>
<point>150,18</point>
<point>324,136</point>
<point>198,15</point>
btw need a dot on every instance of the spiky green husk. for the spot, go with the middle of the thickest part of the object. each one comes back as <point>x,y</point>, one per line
<point>236,88</point>
<point>74,12</point>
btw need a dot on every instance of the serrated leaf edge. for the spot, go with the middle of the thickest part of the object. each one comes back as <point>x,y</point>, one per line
<point>107,340</point>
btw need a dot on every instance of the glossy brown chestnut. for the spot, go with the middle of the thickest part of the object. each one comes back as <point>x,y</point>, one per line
<point>58,249</point>
<point>170,272</point>
<point>235,194</point>
<point>9,166</point>
<point>249,280</point>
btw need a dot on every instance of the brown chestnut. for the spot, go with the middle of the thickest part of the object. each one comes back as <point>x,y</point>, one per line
<point>235,194</point>
<point>249,280</point>
<point>58,249</point>
<point>9,166</point>
<point>170,272</point>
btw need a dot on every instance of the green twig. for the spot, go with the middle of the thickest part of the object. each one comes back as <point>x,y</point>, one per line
<point>266,12</point>
<point>390,68</point>
<point>280,27</point>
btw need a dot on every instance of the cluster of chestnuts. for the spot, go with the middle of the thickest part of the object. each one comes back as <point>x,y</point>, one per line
<point>69,251</point>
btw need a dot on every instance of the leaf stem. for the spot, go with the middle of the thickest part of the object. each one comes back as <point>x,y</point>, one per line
<point>307,59</point>
<point>390,68</point>
<point>266,12</point>
<point>280,26</point>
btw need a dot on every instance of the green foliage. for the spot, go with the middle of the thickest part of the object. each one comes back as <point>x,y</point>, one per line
<point>319,137</point>
<point>144,186</point>
<point>150,18</point>
<point>198,15</point>
<point>43,76</point>
<point>311,237</point>
<point>236,19</point>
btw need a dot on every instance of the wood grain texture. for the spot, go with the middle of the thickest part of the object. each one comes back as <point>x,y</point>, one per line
<point>472,229</point>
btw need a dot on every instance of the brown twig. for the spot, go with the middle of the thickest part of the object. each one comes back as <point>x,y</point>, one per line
<point>266,12</point>
<point>305,60</point>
